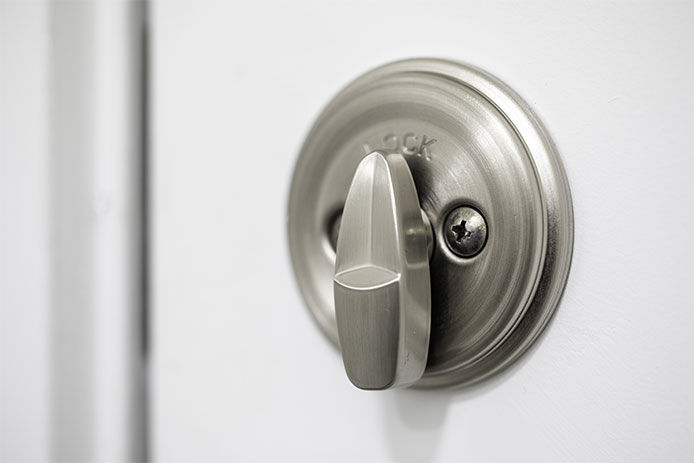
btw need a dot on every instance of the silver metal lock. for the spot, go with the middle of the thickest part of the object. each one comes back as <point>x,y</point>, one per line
<point>430,225</point>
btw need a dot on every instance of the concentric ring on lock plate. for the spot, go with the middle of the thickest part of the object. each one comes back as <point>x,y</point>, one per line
<point>490,152</point>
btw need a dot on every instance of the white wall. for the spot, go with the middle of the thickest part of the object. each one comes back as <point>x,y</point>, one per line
<point>242,372</point>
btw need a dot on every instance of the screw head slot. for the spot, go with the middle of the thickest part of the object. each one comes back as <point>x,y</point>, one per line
<point>465,230</point>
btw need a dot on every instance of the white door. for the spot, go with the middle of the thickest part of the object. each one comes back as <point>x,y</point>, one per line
<point>240,370</point>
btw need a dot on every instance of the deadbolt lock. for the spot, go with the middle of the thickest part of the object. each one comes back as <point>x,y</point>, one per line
<point>430,225</point>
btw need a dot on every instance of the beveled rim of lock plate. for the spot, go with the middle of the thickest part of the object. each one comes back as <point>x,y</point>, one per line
<point>468,140</point>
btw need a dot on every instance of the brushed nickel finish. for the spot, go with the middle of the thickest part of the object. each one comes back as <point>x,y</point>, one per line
<point>467,139</point>
<point>381,283</point>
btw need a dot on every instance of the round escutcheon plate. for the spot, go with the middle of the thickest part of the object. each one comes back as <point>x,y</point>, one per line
<point>469,140</point>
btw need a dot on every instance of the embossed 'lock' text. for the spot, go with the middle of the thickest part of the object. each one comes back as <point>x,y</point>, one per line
<point>408,144</point>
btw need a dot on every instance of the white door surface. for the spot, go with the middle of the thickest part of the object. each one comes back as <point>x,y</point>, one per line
<point>241,372</point>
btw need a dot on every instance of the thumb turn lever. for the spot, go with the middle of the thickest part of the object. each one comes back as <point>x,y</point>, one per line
<point>381,284</point>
